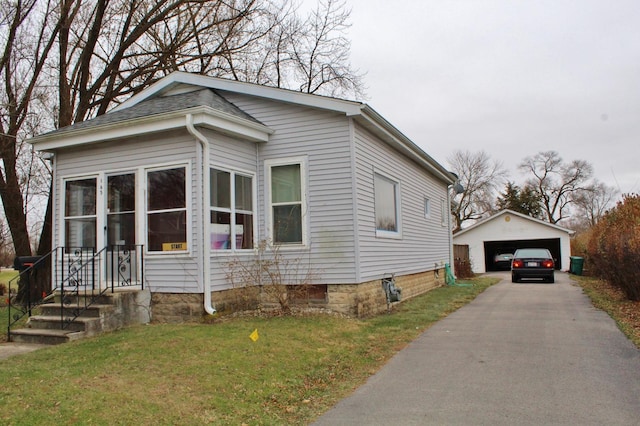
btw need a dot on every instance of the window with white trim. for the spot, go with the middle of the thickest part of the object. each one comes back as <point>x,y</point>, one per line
<point>427,208</point>
<point>286,201</point>
<point>231,210</point>
<point>387,209</point>
<point>443,213</point>
<point>167,209</point>
<point>80,213</point>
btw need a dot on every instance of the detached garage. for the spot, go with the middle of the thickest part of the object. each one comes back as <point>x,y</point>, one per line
<point>492,238</point>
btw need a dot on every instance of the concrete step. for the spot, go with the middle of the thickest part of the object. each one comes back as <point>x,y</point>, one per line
<point>52,322</point>
<point>93,311</point>
<point>45,337</point>
<point>81,297</point>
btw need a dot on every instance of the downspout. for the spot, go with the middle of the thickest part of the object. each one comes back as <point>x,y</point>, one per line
<point>449,231</point>
<point>206,201</point>
<point>457,188</point>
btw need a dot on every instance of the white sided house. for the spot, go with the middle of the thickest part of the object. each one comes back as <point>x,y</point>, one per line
<point>506,231</point>
<point>193,173</point>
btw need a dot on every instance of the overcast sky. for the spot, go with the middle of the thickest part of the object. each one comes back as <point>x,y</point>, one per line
<point>510,77</point>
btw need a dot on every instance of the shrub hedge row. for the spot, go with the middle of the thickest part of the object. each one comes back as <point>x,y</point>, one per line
<point>613,248</point>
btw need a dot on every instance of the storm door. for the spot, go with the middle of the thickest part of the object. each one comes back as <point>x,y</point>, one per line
<point>80,237</point>
<point>121,228</point>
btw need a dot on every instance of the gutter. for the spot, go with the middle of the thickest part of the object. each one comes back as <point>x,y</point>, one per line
<point>404,144</point>
<point>206,201</point>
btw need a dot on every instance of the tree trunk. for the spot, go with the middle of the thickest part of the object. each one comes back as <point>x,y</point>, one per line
<point>12,199</point>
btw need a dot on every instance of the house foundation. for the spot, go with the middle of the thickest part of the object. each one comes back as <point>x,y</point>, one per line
<point>354,300</point>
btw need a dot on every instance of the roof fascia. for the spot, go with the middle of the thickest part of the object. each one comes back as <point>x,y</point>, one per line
<point>203,116</point>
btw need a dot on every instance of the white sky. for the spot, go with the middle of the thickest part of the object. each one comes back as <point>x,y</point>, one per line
<point>510,77</point>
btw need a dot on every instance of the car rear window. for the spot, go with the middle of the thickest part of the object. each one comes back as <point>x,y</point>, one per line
<point>536,253</point>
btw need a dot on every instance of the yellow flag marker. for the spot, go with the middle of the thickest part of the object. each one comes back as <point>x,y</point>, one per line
<point>254,336</point>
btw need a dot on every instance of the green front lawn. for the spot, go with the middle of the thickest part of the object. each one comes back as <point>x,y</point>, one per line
<point>214,373</point>
<point>7,275</point>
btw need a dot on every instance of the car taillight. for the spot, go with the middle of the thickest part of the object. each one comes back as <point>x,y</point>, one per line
<point>517,264</point>
<point>547,264</point>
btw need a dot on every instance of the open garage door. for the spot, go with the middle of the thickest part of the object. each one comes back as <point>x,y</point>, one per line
<point>493,248</point>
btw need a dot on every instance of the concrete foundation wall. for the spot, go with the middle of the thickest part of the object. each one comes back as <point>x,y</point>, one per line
<point>356,300</point>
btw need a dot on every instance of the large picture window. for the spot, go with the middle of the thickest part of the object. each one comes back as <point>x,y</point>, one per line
<point>386,206</point>
<point>80,213</point>
<point>167,210</point>
<point>231,210</point>
<point>287,203</point>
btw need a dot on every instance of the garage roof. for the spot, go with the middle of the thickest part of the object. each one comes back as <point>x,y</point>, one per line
<point>514,213</point>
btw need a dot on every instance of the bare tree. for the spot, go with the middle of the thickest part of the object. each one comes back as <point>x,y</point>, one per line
<point>27,37</point>
<point>71,60</point>
<point>593,202</point>
<point>110,49</point>
<point>321,51</point>
<point>556,182</point>
<point>481,177</point>
<point>6,248</point>
<point>309,55</point>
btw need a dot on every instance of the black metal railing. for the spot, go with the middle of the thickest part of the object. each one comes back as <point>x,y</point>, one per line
<point>78,276</point>
<point>79,286</point>
<point>125,266</point>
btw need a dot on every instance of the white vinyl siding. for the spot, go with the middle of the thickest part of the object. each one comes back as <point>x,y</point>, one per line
<point>324,139</point>
<point>423,243</point>
<point>341,159</point>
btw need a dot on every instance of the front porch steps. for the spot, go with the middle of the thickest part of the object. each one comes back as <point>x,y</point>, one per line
<point>110,312</point>
<point>44,336</point>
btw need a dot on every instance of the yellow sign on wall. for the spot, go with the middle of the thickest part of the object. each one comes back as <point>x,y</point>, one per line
<point>174,246</point>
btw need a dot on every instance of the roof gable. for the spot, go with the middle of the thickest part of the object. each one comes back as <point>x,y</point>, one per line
<point>162,105</point>
<point>178,81</point>
<point>159,113</point>
<point>504,213</point>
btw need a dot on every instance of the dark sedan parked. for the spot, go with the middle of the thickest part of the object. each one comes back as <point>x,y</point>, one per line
<point>503,261</point>
<point>532,263</point>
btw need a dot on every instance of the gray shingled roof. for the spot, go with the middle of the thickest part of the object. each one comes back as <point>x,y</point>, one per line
<point>161,105</point>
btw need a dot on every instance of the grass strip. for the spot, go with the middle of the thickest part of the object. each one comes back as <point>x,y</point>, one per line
<point>625,313</point>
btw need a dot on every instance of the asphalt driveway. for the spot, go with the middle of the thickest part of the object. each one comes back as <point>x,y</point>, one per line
<point>520,354</point>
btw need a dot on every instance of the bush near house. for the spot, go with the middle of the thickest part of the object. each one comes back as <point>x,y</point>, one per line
<point>613,248</point>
